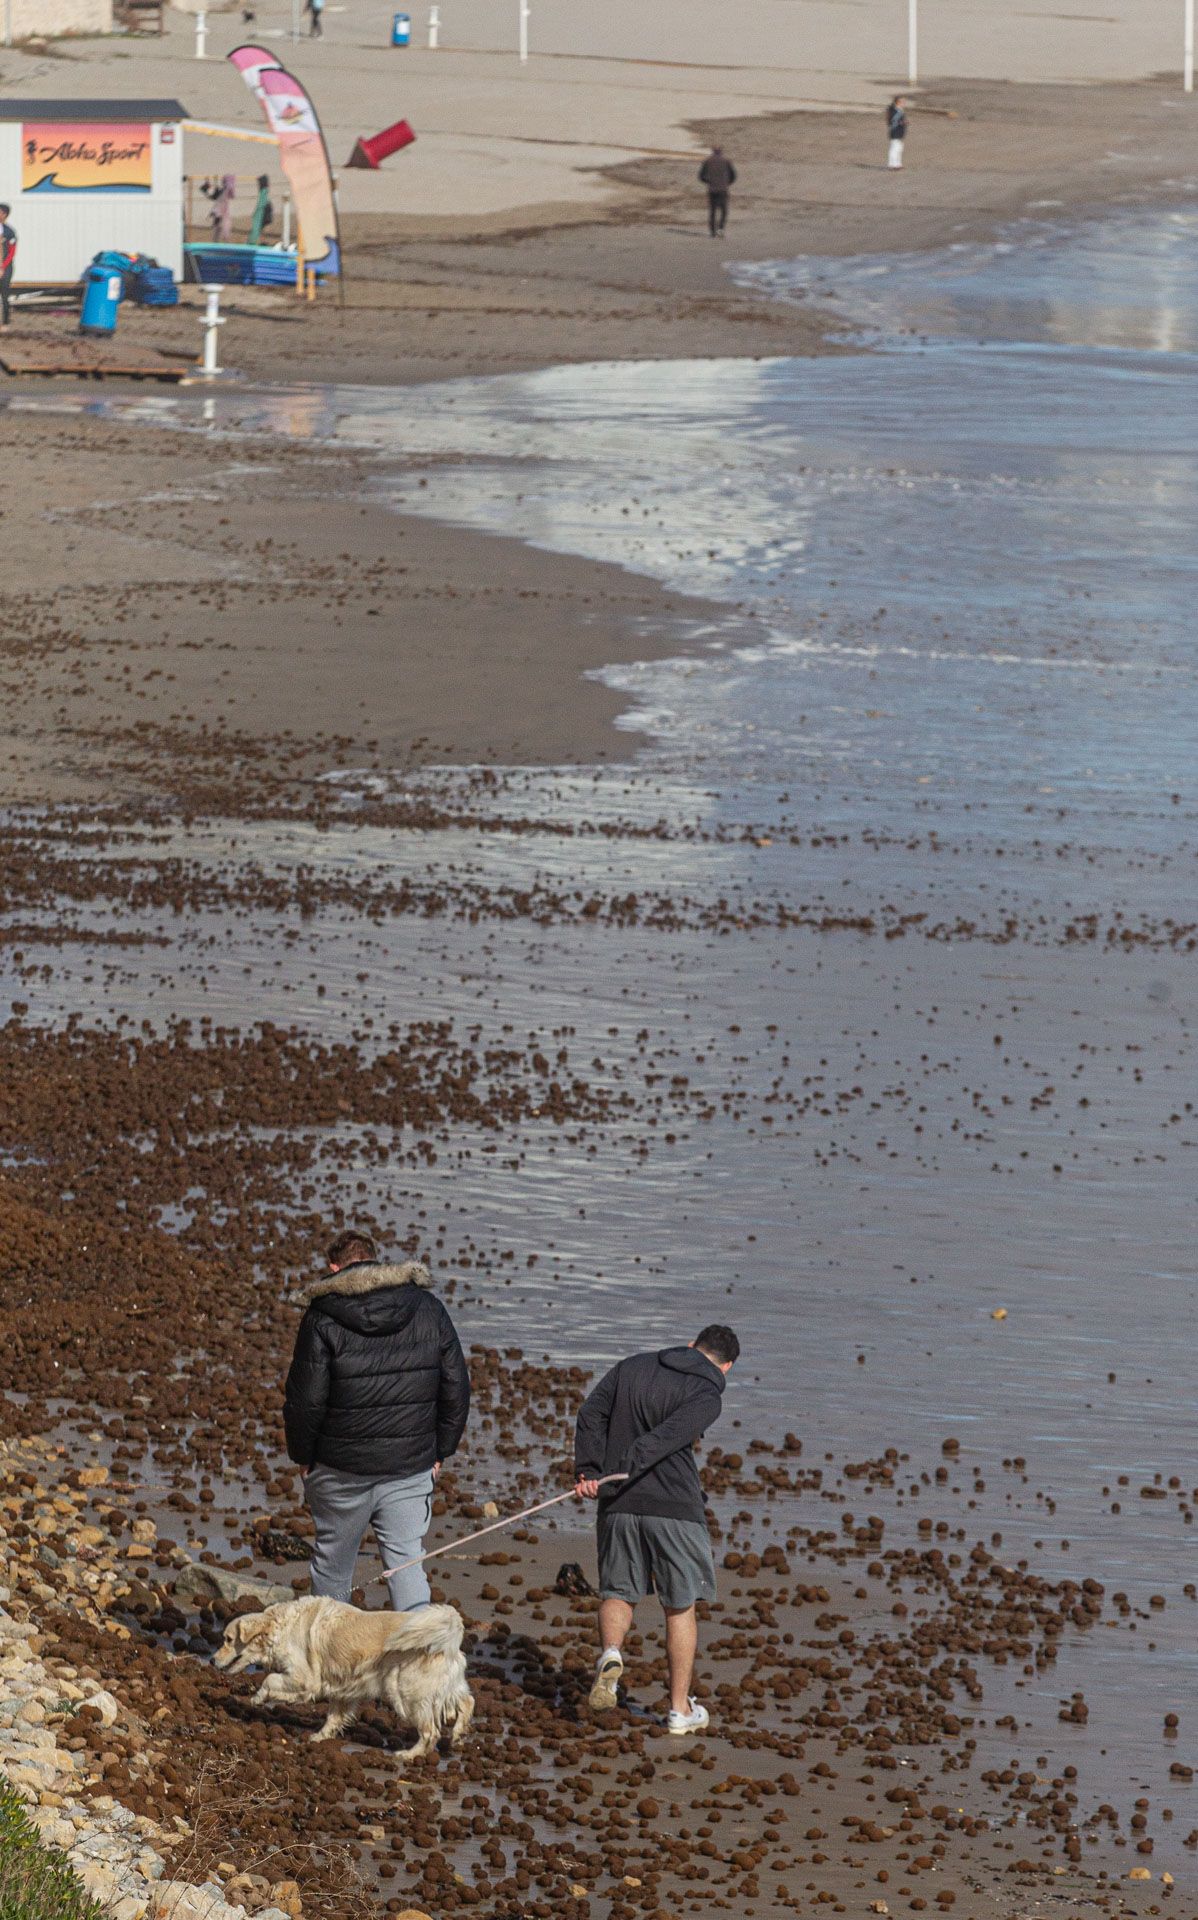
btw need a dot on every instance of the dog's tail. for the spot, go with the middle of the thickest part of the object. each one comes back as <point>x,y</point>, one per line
<point>429,1630</point>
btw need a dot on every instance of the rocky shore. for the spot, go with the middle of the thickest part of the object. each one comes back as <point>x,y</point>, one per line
<point>859,1764</point>
<point>63,1734</point>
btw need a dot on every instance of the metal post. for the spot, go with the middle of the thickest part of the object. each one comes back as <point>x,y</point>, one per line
<point>201,36</point>
<point>912,42</point>
<point>211,323</point>
<point>286,219</point>
<point>434,25</point>
<point>8,23</point>
<point>523,30</point>
<point>295,19</point>
<point>1188,57</point>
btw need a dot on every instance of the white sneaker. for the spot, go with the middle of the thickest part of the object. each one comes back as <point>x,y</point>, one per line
<point>609,1671</point>
<point>694,1720</point>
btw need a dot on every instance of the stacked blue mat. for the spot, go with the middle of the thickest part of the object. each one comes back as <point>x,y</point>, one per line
<point>143,281</point>
<point>154,287</point>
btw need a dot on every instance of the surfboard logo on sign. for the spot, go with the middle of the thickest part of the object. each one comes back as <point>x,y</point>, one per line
<point>61,157</point>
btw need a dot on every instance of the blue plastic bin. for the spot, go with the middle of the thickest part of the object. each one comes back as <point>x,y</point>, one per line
<point>401,30</point>
<point>102,290</point>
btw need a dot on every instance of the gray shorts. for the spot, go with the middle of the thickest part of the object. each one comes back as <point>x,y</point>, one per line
<point>641,1554</point>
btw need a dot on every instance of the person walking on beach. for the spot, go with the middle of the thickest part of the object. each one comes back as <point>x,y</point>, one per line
<point>316,10</point>
<point>643,1420</point>
<point>717,174</point>
<point>8,254</point>
<point>377,1399</point>
<point>896,127</point>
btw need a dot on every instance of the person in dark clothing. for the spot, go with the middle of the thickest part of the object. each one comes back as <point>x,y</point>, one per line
<point>642,1420</point>
<point>717,174</point>
<point>377,1398</point>
<point>8,254</point>
<point>264,213</point>
<point>896,127</point>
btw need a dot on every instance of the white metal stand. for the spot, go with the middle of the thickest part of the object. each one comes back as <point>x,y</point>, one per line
<point>523,30</point>
<point>201,36</point>
<point>211,323</point>
<point>912,42</point>
<point>434,26</point>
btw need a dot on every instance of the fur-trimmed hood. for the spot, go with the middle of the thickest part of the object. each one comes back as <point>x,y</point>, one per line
<point>364,1276</point>
<point>378,1385</point>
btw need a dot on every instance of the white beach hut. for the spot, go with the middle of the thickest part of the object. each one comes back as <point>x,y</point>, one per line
<point>82,176</point>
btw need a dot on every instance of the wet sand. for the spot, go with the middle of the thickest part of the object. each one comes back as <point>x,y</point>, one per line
<point>188,616</point>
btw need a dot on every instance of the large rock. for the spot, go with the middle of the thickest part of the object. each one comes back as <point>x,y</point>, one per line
<point>105,1705</point>
<point>100,1882</point>
<point>198,1582</point>
<point>179,1901</point>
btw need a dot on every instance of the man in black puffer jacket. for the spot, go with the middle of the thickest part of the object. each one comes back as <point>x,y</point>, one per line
<point>377,1398</point>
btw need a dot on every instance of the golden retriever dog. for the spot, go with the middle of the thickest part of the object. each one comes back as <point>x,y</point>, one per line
<point>326,1650</point>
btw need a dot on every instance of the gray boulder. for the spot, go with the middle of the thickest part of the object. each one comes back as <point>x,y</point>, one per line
<point>197,1582</point>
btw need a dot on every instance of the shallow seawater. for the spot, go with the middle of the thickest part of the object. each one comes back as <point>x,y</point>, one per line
<point>950,670</point>
<point>1125,282</point>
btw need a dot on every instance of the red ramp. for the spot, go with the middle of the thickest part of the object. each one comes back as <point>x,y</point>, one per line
<point>379,147</point>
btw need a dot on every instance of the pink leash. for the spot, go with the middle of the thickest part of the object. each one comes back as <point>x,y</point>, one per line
<point>493,1528</point>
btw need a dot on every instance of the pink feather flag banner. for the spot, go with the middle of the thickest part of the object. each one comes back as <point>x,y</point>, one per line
<point>303,154</point>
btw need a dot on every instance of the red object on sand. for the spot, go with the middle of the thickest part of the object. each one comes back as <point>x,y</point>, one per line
<point>369,153</point>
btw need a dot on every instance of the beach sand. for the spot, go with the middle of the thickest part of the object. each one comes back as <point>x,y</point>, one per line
<point>601,86</point>
<point>199,606</point>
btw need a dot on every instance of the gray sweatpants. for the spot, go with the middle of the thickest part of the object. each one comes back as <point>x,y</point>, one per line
<point>343,1506</point>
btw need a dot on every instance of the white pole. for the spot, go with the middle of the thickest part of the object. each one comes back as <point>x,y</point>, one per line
<point>8,23</point>
<point>523,30</point>
<point>434,25</point>
<point>1188,60</point>
<point>211,324</point>
<point>912,42</point>
<point>295,19</point>
<point>201,36</point>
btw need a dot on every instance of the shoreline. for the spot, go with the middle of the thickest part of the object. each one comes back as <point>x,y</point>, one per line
<point>649,288</point>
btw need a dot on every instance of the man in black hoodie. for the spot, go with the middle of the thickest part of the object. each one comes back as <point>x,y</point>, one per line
<point>643,1420</point>
<point>377,1398</point>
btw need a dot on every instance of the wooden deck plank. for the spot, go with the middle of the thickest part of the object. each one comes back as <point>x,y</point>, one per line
<point>89,360</point>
